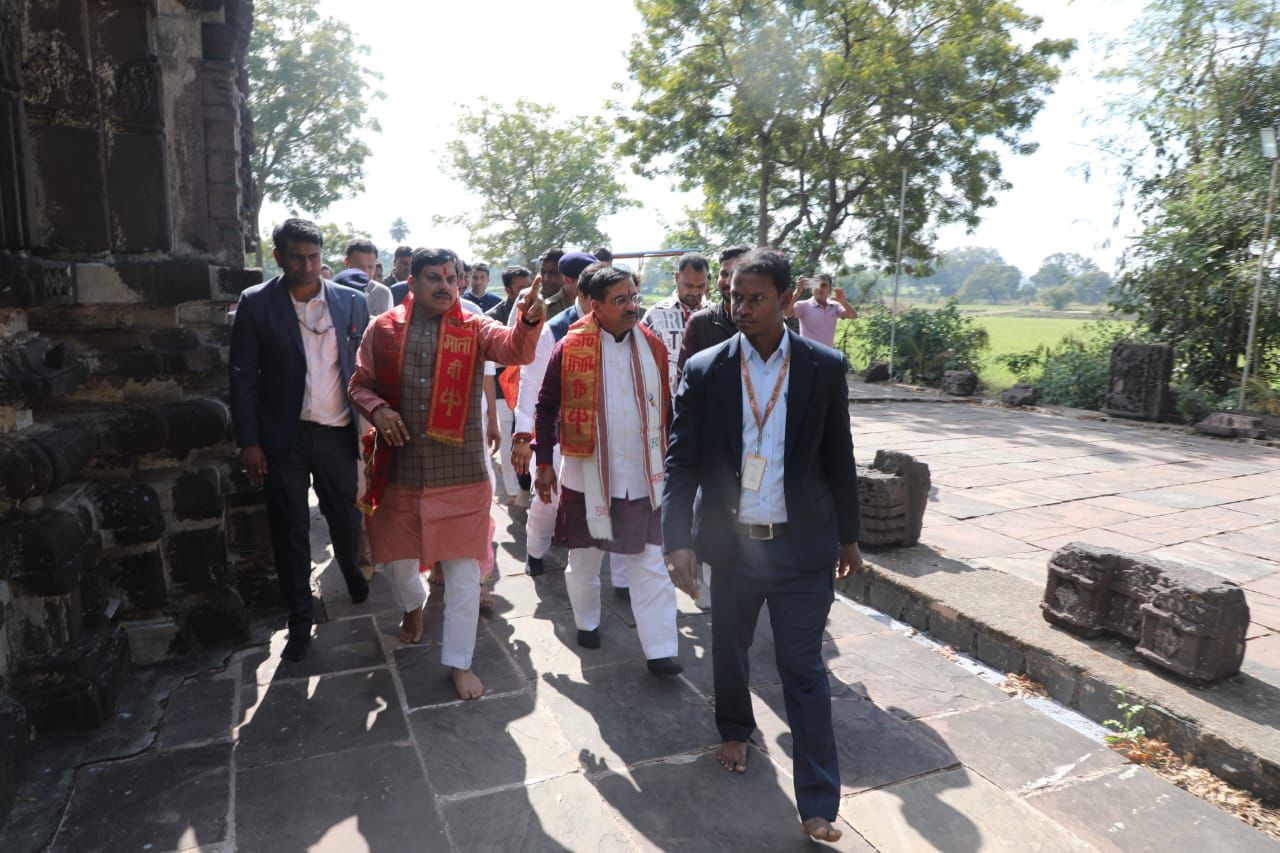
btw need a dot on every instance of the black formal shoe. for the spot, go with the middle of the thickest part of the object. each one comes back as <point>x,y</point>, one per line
<point>361,595</point>
<point>533,566</point>
<point>296,649</point>
<point>623,592</point>
<point>589,639</point>
<point>665,666</point>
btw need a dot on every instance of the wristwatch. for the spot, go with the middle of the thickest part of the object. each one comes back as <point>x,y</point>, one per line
<point>521,438</point>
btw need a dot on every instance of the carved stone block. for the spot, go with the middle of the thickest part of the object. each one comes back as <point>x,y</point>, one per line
<point>1140,376</point>
<point>959,383</point>
<point>129,511</point>
<point>892,495</point>
<point>1183,619</point>
<point>37,370</point>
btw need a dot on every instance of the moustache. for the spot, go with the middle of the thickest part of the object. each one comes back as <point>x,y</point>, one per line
<point>442,293</point>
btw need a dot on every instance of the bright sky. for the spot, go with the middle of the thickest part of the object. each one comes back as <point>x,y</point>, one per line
<point>454,53</point>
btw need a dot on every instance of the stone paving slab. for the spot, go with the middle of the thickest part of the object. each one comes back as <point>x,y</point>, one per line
<point>519,737</point>
<point>584,749</point>
<point>1134,810</point>
<point>163,800</point>
<point>693,804</point>
<point>957,811</point>
<point>560,815</point>
<point>198,711</point>
<point>289,720</point>
<point>1017,747</point>
<point>375,798</point>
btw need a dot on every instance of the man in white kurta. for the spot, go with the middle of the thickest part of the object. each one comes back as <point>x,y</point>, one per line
<point>613,441</point>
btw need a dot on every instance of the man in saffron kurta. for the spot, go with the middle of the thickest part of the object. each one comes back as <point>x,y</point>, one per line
<point>606,400</point>
<point>418,380</point>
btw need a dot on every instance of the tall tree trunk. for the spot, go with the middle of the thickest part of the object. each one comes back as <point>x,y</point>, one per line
<point>762,200</point>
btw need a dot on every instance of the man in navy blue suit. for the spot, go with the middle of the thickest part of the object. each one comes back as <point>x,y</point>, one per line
<point>761,485</point>
<point>293,349</point>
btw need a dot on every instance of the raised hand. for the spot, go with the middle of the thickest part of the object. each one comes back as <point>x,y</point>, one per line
<point>532,308</point>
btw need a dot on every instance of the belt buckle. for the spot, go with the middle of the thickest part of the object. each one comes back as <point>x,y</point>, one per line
<point>767,534</point>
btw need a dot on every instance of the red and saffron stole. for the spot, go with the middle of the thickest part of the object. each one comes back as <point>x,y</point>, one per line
<point>580,388</point>
<point>457,353</point>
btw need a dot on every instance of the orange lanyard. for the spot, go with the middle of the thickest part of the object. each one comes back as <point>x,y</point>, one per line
<point>773,401</point>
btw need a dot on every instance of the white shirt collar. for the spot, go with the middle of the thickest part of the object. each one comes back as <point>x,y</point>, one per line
<point>781,352</point>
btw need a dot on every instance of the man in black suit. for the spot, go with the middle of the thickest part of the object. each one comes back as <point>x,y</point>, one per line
<point>761,485</point>
<point>293,347</point>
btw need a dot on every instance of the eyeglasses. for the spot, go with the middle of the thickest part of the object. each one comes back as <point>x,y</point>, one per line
<point>623,301</point>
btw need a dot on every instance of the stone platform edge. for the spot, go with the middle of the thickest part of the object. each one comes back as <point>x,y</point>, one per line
<point>996,619</point>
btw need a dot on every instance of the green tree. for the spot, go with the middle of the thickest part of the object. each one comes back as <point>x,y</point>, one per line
<point>309,96</point>
<point>1058,268</point>
<point>1204,74</point>
<point>953,266</point>
<point>539,184</point>
<point>991,283</point>
<point>1057,297</point>
<point>1091,286</point>
<point>797,117</point>
<point>399,230</point>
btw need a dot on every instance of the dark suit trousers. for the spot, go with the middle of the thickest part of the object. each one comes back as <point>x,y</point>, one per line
<point>799,599</point>
<point>327,455</point>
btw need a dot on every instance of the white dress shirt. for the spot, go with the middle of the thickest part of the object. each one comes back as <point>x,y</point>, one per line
<point>768,504</point>
<point>324,400</point>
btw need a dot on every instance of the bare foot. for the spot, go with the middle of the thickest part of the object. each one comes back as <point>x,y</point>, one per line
<point>411,626</point>
<point>486,597</point>
<point>820,829</point>
<point>467,684</point>
<point>436,575</point>
<point>733,756</point>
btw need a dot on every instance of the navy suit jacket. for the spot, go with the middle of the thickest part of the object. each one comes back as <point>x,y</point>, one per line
<point>269,366</point>
<point>704,456</point>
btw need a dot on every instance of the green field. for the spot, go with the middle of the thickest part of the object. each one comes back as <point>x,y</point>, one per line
<point>1019,334</point>
<point>1019,328</point>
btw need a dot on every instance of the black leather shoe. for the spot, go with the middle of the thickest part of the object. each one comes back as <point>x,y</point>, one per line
<point>360,596</point>
<point>533,566</point>
<point>623,592</point>
<point>665,666</point>
<point>296,649</point>
<point>589,639</point>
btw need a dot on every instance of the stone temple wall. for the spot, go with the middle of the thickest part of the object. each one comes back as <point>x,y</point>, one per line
<point>125,534</point>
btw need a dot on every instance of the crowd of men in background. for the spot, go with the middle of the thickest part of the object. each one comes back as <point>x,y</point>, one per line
<point>393,394</point>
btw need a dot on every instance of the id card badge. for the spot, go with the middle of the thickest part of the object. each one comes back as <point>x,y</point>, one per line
<point>753,472</point>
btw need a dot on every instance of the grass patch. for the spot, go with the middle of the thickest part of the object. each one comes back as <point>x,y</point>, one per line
<point>1019,334</point>
<point>1012,328</point>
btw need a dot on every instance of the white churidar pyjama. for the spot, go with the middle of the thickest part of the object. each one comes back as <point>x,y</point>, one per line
<point>653,597</point>
<point>461,603</point>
